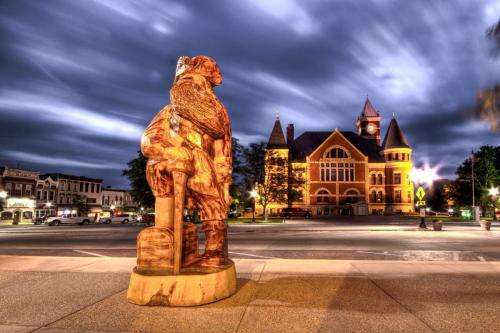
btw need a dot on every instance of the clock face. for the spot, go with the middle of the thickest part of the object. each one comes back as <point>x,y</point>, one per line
<point>371,129</point>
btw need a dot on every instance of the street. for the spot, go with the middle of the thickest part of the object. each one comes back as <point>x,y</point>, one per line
<point>355,238</point>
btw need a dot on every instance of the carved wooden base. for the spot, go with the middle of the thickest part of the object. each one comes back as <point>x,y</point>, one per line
<point>194,286</point>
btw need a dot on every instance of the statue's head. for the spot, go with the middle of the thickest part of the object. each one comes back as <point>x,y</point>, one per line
<point>202,65</point>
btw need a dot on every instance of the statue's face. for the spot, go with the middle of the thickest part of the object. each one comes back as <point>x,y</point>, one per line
<point>210,70</point>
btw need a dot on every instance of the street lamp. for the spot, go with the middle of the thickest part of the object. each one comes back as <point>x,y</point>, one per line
<point>494,193</point>
<point>253,194</point>
<point>427,176</point>
<point>48,204</point>
<point>3,195</point>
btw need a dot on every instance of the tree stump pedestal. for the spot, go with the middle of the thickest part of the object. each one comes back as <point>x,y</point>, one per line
<point>195,285</point>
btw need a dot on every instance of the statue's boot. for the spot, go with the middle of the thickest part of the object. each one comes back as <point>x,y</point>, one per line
<point>215,238</point>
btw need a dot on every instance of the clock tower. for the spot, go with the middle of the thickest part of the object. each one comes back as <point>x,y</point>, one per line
<point>368,123</point>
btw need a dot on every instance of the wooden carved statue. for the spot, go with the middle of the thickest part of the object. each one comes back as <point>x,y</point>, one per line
<point>188,146</point>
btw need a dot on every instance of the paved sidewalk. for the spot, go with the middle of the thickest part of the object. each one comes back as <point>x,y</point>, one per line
<point>88,294</point>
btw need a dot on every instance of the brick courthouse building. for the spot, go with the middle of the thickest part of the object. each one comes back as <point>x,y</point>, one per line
<point>345,172</point>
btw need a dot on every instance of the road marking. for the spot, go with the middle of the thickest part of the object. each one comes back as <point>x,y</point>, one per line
<point>384,253</point>
<point>481,258</point>
<point>252,255</point>
<point>91,253</point>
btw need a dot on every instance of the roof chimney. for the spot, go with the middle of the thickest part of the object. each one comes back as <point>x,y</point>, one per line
<point>289,134</point>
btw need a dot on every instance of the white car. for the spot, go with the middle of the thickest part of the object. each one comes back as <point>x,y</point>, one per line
<point>69,219</point>
<point>119,218</point>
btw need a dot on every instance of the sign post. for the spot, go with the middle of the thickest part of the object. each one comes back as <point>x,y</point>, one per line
<point>421,204</point>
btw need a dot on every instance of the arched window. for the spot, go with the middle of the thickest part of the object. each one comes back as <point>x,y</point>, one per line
<point>380,196</point>
<point>374,178</point>
<point>352,196</point>
<point>380,179</point>
<point>322,196</point>
<point>374,196</point>
<point>6,216</point>
<point>337,153</point>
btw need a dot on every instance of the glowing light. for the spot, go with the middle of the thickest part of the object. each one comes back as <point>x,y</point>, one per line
<point>253,193</point>
<point>112,207</point>
<point>3,194</point>
<point>67,211</point>
<point>48,204</point>
<point>20,202</point>
<point>426,175</point>
<point>73,212</point>
<point>493,191</point>
<point>427,209</point>
<point>450,210</point>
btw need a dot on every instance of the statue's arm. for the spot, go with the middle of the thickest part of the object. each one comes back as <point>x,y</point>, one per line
<point>224,158</point>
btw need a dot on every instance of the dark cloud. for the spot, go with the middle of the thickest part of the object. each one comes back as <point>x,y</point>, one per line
<point>81,79</point>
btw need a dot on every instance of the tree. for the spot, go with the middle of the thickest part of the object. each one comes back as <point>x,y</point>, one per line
<point>80,202</point>
<point>237,187</point>
<point>273,187</point>
<point>269,173</point>
<point>488,102</point>
<point>136,173</point>
<point>486,175</point>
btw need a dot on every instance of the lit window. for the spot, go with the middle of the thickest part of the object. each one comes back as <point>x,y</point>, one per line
<point>397,178</point>
<point>380,196</point>
<point>322,196</point>
<point>337,153</point>
<point>397,196</point>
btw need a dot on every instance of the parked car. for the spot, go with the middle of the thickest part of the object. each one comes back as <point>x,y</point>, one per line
<point>42,219</point>
<point>233,213</point>
<point>68,219</point>
<point>119,218</point>
<point>148,219</point>
<point>288,213</point>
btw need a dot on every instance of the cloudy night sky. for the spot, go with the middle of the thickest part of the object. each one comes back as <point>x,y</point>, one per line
<point>81,79</point>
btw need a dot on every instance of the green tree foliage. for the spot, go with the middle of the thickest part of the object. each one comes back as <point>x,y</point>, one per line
<point>268,173</point>
<point>488,103</point>
<point>254,164</point>
<point>81,206</point>
<point>136,173</point>
<point>237,188</point>
<point>486,175</point>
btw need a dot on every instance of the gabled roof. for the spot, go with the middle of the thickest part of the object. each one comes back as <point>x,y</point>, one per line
<point>277,139</point>
<point>394,138</point>
<point>307,142</point>
<point>369,110</point>
<point>368,147</point>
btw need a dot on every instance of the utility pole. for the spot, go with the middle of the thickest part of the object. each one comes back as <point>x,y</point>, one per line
<point>472,165</point>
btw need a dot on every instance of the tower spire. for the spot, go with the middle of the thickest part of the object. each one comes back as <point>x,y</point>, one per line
<point>394,138</point>
<point>277,138</point>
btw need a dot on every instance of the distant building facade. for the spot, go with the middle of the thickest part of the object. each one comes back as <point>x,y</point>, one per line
<point>346,172</point>
<point>71,189</point>
<point>19,203</point>
<point>118,199</point>
<point>46,196</point>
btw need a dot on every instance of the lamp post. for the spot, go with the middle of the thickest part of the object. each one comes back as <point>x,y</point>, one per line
<point>493,192</point>
<point>3,195</point>
<point>253,194</point>
<point>426,176</point>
